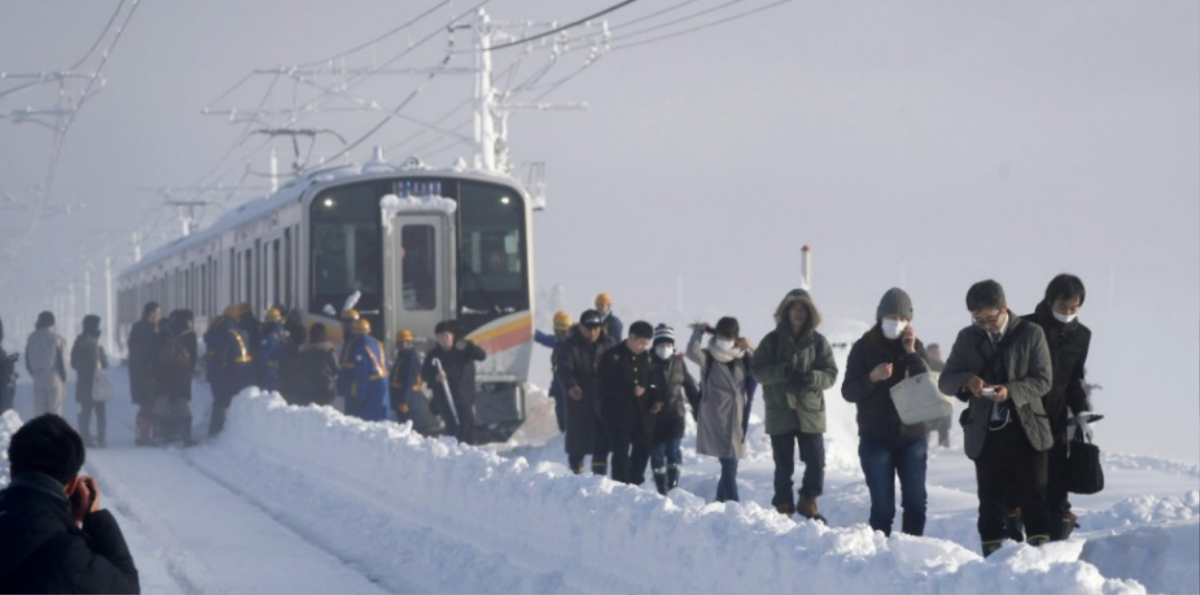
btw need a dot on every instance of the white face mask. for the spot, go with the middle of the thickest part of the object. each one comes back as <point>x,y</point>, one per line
<point>1065,318</point>
<point>725,344</point>
<point>892,328</point>
<point>665,351</point>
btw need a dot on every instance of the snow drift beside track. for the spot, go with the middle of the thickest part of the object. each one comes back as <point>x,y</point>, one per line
<point>463,519</point>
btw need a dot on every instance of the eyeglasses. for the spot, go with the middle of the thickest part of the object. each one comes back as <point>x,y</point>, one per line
<point>987,320</point>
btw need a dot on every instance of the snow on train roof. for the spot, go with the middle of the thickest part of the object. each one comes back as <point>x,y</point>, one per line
<point>295,189</point>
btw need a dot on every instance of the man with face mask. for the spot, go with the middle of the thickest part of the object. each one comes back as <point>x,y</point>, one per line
<point>1068,341</point>
<point>887,448</point>
<point>678,389</point>
<point>577,370</point>
<point>1000,365</point>
<point>629,397</point>
<point>457,359</point>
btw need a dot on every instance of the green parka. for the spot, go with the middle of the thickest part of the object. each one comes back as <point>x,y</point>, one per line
<point>795,371</point>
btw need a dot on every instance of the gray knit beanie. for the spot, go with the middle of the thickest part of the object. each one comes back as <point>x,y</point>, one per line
<point>895,303</point>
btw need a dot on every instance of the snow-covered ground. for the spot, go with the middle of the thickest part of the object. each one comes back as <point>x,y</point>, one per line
<point>305,500</point>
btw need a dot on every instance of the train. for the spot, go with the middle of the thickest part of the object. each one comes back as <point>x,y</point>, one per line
<point>416,244</point>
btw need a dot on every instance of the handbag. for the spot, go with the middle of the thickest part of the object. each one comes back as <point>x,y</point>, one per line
<point>918,399</point>
<point>1085,475</point>
<point>102,390</point>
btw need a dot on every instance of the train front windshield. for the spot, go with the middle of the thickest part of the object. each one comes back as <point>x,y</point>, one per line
<point>492,251</point>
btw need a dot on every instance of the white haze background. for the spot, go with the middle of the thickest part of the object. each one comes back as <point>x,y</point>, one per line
<point>922,144</point>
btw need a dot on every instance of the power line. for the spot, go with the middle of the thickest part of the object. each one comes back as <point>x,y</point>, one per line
<point>103,33</point>
<point>380,38</point>
<point>698,27</point>
<point>574,23</point>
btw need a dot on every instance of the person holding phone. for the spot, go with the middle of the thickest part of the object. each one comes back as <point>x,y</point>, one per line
<point>56,537</point>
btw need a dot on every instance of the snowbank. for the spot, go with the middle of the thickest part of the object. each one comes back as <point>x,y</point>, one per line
<point>10,422</point>
<point>386,499</point>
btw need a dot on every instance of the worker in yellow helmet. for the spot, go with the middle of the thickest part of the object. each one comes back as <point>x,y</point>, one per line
<point>345,377</point>
<point>562,330</point>
<point>405,376</point>
<point>368,359</point>
<point>613,326</point>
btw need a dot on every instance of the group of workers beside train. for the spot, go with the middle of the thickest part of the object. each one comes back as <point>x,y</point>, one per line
<point>628,394</point>
<point>1022,378</point>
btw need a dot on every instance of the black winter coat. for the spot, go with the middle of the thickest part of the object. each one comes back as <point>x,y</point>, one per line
<point>174,380</point>
<point>291,374</point>
<point>87,356</point>
<point>42,551</point>
<point>319,368</point>
<point>877,417</point>
<point>143,347</point>
<point>578,366</point>
<point>674,384</point>
<point>621,372</point>
<point>459,365</point>
<point>1068,344</point>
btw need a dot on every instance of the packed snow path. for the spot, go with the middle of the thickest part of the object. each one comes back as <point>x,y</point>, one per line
<point>308,501</point>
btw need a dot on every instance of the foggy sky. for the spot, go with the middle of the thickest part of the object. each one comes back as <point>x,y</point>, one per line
<point>922,144</point>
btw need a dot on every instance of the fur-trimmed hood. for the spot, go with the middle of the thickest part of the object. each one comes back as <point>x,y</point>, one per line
<point>798,296</point>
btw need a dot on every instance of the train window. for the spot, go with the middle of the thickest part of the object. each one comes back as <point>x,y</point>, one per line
<point>345,240</point>
<point>276,295</point>
<point>287,268</point>
<point>418,269</point>
<point>492,276</point>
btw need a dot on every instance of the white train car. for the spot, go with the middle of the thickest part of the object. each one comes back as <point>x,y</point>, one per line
<point>421,245</point>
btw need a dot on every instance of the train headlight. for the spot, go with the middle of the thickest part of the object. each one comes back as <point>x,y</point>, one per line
<point>504,200</point>
<point>329,203</point>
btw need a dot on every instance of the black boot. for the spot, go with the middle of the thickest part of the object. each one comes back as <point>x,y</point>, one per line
<point>1013,528</point>
<point>1062,529</point>
<point>991,547</point>
<point>660,481</point>
<point>672,476</point>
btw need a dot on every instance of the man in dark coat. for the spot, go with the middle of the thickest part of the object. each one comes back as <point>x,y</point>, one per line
<point>291,366</point>
<point>320,368</point>
<point>629,400</point>
<point>562,330</point>
<point>230,346</point>
<point>405,376</point>
<point>177,363</point>
<point>143,368</point>
<point>457,372</point>
<point>1000,366</point>
<point>56,538</point>
<point>578,363</point>
<point>1068,341</point>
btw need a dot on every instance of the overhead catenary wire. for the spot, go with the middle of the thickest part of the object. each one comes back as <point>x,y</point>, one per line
<point>378,39</point>
<point>561,28</point>
<point>698,27</point>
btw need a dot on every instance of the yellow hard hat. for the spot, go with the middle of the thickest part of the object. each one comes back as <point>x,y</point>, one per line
<point>604,300</point>
<point>361,326</point>
<point>350,314</point>
<point>237,310</point>
<point>562,320</point>
<point>404,336</point>
<point>273,315</point>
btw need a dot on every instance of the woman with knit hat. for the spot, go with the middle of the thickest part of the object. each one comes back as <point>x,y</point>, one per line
<point>726,391</point>
<point>678,388</point>
<point>887,448</point>
<point>795,365</point>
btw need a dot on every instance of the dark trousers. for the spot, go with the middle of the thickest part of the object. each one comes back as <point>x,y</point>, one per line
<point>882,462</point>
<point>1010,465</point>
<point>560,405</point>
<point>599,463</point>
<point>462,427</point>
<point>812,454</point>
<point>664,453</point>
<point>630,454</point>
<point>222,399</point>
<point>85,419</point>
<point>1057,475</point>
<point>6,397</point>
<point>727,490</point>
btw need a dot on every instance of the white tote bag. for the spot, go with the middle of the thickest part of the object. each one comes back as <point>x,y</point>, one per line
<point>102,390</point>
<point>918,399</point>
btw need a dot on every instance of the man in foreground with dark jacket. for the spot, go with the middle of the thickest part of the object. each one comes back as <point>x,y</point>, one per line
<point>54,538</point>
<point>628,401</point>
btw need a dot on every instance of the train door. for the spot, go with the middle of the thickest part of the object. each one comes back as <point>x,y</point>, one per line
<point>419,274</point>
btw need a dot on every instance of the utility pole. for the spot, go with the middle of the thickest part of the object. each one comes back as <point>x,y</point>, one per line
<point>806,268</point>
<point>87,290</point>
<point>108,305</point>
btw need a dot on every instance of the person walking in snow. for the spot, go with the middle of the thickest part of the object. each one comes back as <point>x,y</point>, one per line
<point>457,357</point>
<point>291,367</point>
<point>270,350</point>
<point>1068,341</point>
<point>87,357</point>
<point>887,448</point>
<point>1000,366</point>
<point>143,345</point>
<point>370,373</point>
<point>942,425</point>
<point>562,330</point>
<point>726,393</point>
<point>613,326</point>
<point>320,368</point>
<point>57,538</point>
<point>578,365</point>
<point>628,401</point>
<point>795,365</point>
<point>177,364</point>
<point>8,374</point>
<point>46,363</point>
<point>231,364</point>
<point>345,377</point>
<point>405,375</point>
<point>669,374</point>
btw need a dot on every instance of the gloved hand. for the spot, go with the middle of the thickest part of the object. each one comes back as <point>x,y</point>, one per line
<point>800,378</point>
